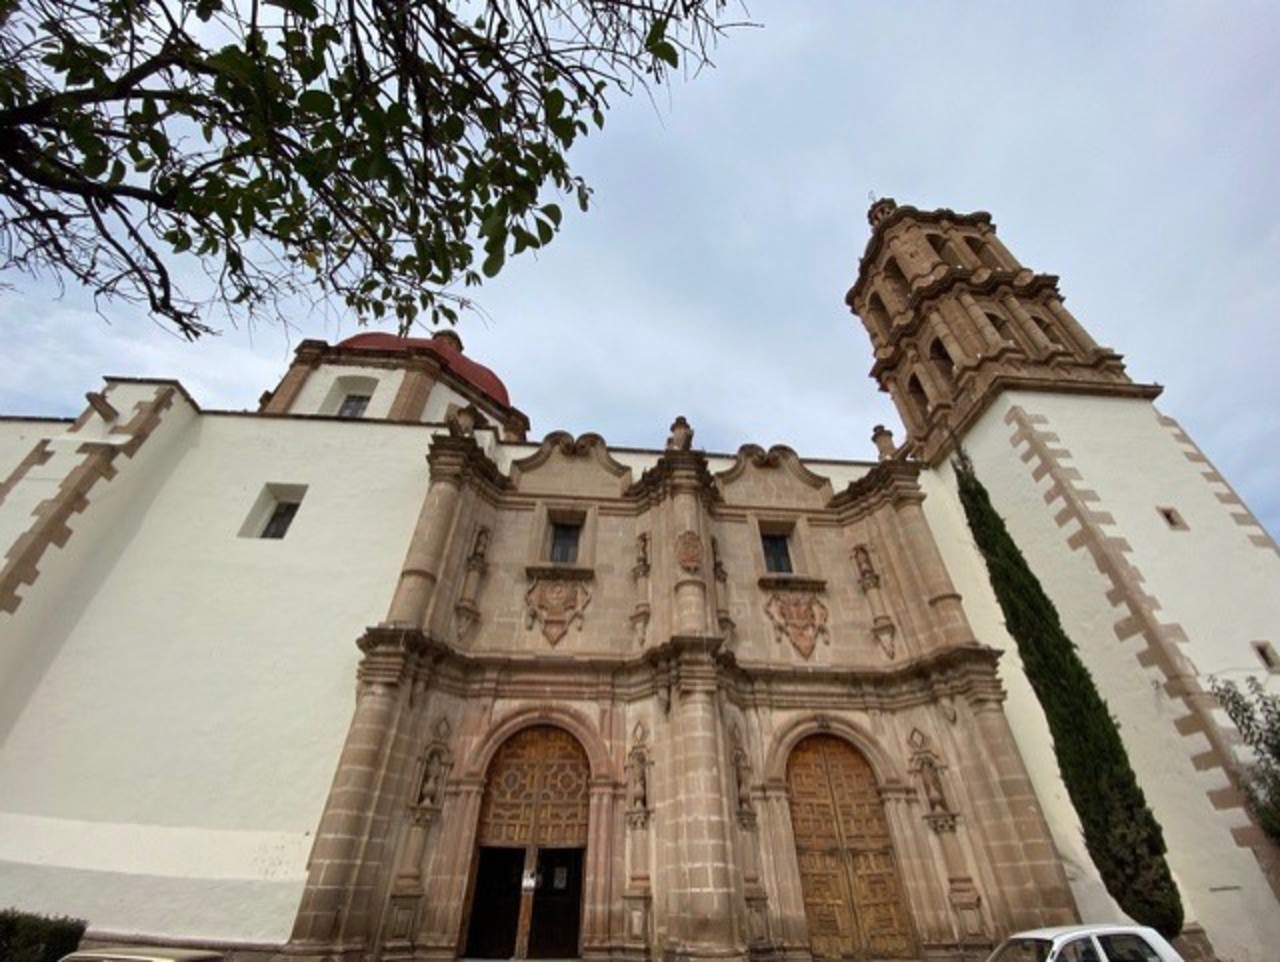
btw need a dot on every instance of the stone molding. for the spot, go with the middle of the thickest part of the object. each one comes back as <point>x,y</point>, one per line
<point>780,456</point>
<point>588,445</point>
<point>52,518</point>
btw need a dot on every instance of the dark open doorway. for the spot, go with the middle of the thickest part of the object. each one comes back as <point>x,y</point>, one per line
<point>557,905</point>
<point>495,911</point>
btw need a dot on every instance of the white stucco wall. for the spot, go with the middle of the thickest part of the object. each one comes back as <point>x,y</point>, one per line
<point>19,435</point>
<point>193,745</point>
<point>1223,590</point>
<point>317,395</point>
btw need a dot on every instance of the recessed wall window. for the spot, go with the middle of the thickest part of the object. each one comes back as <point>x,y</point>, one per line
<point>353,405</point>
<point>1266,653</point>
<point>1173,519</point>
<point>777,553</point>
<point>278,524</point>
<point>273,511</point>
<point>565,536</point>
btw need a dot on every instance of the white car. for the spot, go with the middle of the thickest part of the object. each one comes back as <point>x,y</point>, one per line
<point>1086,943</point>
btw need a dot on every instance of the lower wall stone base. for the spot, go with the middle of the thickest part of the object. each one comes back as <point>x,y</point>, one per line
<point>1194,945</point>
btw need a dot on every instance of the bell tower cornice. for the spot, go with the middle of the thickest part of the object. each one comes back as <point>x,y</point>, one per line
<point>954,319</point>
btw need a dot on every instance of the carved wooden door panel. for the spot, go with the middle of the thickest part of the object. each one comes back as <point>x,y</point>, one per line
<point>536,797</point>
<point>852,896</point>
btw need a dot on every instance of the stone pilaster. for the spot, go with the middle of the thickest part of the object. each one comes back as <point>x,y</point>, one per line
<point>325,918</point>
<point>306,359</point>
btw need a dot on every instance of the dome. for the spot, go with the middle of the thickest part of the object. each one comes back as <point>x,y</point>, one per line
<point>445,345</point>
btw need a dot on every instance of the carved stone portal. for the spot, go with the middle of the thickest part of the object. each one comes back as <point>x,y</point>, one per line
<point>800,618</point>
<point>556,603</point>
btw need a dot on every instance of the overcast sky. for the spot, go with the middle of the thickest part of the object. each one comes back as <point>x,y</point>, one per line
<point>1130,148</point>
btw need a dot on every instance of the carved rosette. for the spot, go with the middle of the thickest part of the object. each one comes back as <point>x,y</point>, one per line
<point>556,603</point>
<point>799,617</point>
<point>689,553</point>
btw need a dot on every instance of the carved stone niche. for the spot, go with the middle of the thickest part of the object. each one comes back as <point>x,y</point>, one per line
<point>558,596</point>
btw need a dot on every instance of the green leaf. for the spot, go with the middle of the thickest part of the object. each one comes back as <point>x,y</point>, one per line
<point>552,213</point>
<point>493,263</point>
<point>316,102</point>
<point>666,52</point>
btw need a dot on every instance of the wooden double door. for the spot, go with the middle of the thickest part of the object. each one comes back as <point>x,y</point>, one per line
<point>527,883</point>
<point>853,898</point>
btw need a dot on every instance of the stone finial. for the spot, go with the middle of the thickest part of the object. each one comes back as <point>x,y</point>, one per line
<point>681,438</point>
<point>462,421</point>
<point>882,437</point>
<point>881,209</point>
<point>450,337</point>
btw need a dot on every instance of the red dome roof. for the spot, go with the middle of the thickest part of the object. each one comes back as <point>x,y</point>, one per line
<point>447,347</point>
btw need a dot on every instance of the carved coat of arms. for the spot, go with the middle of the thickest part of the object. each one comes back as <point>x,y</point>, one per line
<point>689,551</point>
<point>557,604</point>
<point>799,617</point>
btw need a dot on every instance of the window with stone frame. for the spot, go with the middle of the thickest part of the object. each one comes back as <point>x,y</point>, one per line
<point>566,535</point>
<point>777,551</point>
<point>354,405</point>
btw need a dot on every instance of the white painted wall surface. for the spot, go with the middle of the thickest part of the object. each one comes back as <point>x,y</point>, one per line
<point>316,396</point>
<point>1220,587</point>
<point>19,435</point>
<point>196,745</point>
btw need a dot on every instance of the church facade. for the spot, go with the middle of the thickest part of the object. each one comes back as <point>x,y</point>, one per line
<point>366,674</point>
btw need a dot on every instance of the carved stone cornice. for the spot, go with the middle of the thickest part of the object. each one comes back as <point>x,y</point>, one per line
<point>391,654</point>
<point>891,219</point>
<point>792,582</point>
<point>779,457</point>
<point>461,460</point>
<point>586,445</point>
<point>889,482</point>
<point>675,471</point>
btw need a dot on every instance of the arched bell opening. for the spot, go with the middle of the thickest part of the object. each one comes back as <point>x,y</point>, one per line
<point>854,903</point>
<point>525,895</point>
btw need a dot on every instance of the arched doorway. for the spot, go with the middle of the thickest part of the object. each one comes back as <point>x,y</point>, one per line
<point>526,899</point>
<point>853,898</point>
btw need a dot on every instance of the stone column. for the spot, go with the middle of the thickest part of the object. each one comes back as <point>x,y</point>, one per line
<point>598,894</point>
<point>788,923</point>
<point>691,544</point>
<point>945,608</point>
<point>447,878</point>
<point>411,399</point>
<point>703,922</point>
<point>306,359</point>
<point>1038,338</point>
<point>1075,331</point>
<point>335,858</point>
<point>983,323</point>
<point>447,461</point>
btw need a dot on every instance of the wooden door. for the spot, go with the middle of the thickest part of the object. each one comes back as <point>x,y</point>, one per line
<point>853,899</point>
<point>536,801</point>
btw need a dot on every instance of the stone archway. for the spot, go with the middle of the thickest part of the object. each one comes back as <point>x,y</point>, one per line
<point>527,877</point>
<point>854,901</point>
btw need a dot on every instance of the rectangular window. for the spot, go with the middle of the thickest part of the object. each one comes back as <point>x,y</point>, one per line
<point>353,405</point>
<point>564,542</point>
<point>278,524</point>
<point>777,553</point>
<point>1266,653</point>
<point>273,511</point>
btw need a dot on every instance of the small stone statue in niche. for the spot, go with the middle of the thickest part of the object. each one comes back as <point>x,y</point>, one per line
<point>931,780</point>
<point>742,778</point>
<point>638,782</point>
<point>432,777</point>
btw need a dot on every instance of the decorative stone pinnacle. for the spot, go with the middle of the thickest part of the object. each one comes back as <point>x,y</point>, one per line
<point>882,437</point>
<point>881,209</point>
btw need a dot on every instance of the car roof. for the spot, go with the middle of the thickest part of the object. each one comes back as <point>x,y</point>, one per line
<point>144,953</point>
<point>1097,928</point>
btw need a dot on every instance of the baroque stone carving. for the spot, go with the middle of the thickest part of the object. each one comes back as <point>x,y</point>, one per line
<point>638,778</point>
<point>799,617</point>
<point>466,612</point>
<point>556,603</point>
<point>742,779</point>
<point>882,626</point>
<point>689,554</point>
<point>681,438</point>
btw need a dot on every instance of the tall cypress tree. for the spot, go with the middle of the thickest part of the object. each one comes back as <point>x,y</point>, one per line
<point>1120,831</point>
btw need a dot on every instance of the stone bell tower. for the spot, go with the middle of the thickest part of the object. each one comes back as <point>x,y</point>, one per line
<point>955,319</point>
